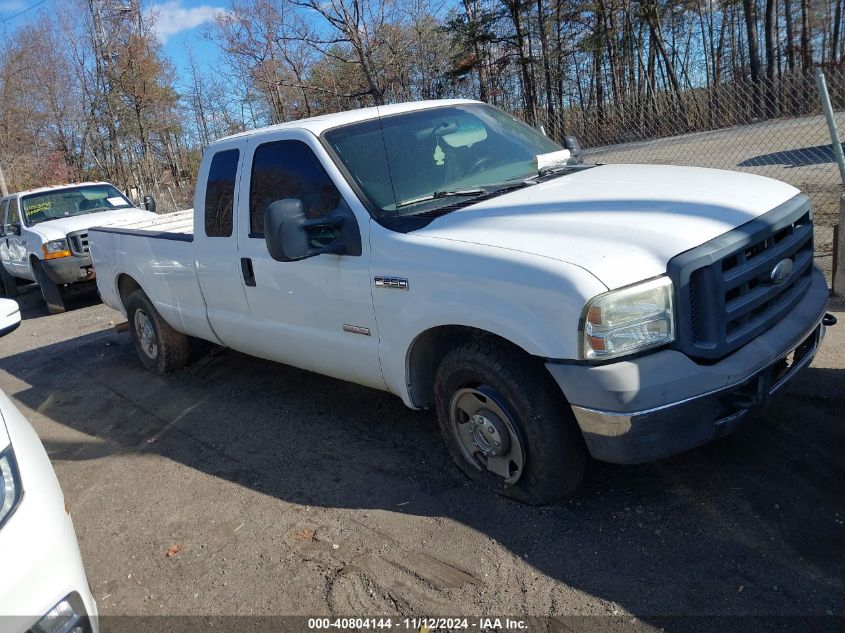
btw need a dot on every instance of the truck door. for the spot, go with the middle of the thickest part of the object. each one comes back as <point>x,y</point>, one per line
<point>15,242</point>
<point>4,240</point>
<point>216,243</point>
<point>315,313</point>
<point>5,257</point>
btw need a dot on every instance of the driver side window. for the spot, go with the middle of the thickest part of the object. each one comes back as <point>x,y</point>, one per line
<point>289,169</point>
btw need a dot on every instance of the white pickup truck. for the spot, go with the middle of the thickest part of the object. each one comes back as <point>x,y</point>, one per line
<point>44,235</point>
<point>451,255</point>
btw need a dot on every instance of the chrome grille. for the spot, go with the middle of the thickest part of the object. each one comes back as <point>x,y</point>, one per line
<point>78,243</point>
<point>724,291</point>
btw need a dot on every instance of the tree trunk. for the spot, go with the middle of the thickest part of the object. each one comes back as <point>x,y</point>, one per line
<point>660,45</point>
<point>806,35</point>
<point>790,35</point>
<point>771,58</point>
<point>547,70</point>
<point>529,102</point>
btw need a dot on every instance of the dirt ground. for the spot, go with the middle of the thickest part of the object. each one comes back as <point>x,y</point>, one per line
<point>285,492</point>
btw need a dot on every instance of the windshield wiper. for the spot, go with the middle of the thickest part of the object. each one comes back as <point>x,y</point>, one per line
<point>554,172</point>
<point>548,171</point>
<point>485,193</point>
<point>437,195</point>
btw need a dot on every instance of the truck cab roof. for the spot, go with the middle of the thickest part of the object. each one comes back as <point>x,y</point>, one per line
<point>319,124</point>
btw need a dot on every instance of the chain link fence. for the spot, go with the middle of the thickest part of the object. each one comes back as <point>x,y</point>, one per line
<point>773,129</point>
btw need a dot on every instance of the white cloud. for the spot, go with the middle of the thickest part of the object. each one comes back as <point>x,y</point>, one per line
<point>173,18</point>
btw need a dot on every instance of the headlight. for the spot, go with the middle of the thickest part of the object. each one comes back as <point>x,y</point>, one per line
<point>11,490</point>
<point>55,249</point>
<point>68,616</point>
<point>629,320</point>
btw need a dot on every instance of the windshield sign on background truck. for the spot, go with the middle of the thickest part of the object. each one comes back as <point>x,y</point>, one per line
<point>64,203</point>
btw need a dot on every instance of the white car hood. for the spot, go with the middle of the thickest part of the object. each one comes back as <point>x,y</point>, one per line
<point>59,228</point>
<point>623,223</point>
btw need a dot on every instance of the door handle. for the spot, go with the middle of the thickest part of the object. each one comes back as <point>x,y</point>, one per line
<point>248,273</point>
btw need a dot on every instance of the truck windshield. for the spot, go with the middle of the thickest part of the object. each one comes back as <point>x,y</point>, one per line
<point>413,162</point>
<point>66,202</point>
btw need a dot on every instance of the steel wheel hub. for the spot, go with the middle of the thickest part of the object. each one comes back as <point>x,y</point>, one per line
<point>146,334</point>
<point>489,433</point>
<point>486,434</point>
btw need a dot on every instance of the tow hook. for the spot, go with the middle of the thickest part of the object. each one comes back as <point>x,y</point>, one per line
<point>828,319</point>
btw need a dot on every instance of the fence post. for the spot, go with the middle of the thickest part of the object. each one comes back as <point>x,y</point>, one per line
<point>839,253</point>
<point>831,123</point>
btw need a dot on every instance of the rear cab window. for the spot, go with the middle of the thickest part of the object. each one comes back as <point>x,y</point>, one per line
<point>220,193</point>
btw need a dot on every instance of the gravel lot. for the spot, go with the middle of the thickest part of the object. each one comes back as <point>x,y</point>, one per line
<point>289,493</point>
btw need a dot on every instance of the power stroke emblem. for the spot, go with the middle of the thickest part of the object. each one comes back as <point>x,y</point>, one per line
<point>781,271</point>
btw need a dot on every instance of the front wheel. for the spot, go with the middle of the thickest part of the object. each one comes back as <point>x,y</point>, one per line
<point>49,290</point>
<point>506,424</point>
<point>161,348</point>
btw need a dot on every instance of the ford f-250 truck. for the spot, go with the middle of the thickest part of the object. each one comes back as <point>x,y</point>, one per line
<point>44,235</point>
<point>451,255</point>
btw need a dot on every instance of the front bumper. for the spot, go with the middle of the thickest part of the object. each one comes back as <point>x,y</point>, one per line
<point>69,270</point>
<point>661,404</point>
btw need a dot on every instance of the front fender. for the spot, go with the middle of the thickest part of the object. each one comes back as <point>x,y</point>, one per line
<point>532,301</point>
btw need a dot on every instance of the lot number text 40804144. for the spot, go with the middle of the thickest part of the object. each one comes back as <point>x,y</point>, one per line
<point>423,624</point>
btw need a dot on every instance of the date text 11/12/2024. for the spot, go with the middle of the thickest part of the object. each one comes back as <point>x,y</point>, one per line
<point>421,624</point>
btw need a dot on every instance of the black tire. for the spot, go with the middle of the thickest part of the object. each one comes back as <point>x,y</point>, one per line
<point>541,424</point>
<point>50,291</point>
<point>172,348</point>
<point>8,284</point>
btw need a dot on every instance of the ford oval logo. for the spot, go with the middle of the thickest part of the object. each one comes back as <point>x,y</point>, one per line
<point>781,271</point>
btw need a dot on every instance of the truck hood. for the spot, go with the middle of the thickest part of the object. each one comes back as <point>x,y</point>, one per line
<point>623,223</point>
<point>57,229</point>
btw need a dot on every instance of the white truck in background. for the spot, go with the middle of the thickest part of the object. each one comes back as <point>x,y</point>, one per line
<point>451,255</point>
<point>44,235</point>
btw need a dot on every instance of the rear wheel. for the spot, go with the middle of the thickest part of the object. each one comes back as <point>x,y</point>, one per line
<point>50,291</point>
<point>505,422</point>
<point>8,284</point>
<point>161,348</point>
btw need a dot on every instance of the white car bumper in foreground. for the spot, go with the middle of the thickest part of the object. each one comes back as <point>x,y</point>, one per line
<point>41,569</point>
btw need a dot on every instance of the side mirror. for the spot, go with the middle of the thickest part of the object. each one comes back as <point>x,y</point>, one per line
<point>291,236</point>
<point>574,146</point>
<point>12,229</point>
<point>10,316</point>
<point>150,203</point>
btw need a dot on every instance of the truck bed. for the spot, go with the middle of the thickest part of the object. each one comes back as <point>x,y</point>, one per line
<point>158,255</point>
<point>170,226</point>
